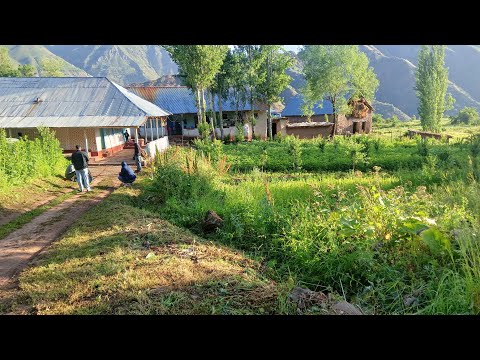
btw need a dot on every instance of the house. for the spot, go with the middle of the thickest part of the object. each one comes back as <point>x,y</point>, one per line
<point>321,123</point>
<point>181,102</point>
<point>89,111</point>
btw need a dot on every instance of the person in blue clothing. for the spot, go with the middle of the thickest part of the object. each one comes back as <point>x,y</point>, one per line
<point>126,175</point>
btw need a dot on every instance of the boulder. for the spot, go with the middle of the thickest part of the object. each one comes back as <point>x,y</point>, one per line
<point>345,308</point>
<point>212,221</point>
<point>304,298</point>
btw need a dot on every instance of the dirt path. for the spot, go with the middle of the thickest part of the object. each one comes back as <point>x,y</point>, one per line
<point>22,245</point>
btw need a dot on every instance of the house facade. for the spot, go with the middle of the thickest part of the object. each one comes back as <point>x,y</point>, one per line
<point>89,111</point>
<point>322,122</point>
<point>181,102</point>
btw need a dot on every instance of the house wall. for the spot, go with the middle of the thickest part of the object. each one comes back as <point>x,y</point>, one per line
<point>161,144</point>
<point>310,132</point>
<point>261,126</point>
<point>281,126</point>
<point>70,137</point>
<point>345,123</point>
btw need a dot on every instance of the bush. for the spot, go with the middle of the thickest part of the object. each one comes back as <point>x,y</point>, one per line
<point>468,115</point>
<point>26,159</point>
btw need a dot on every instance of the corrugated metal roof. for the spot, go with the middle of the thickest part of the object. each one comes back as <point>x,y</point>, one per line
<point>71,121</point>
<point>309,124</point>
<point>71,102</point>
<point>180,99</point>
<point>293,107</point>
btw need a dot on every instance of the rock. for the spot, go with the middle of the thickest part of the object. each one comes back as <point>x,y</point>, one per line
<point>345,308</point>
<point>410,301</point>
<point>306,297</point>
<point>212,221</point>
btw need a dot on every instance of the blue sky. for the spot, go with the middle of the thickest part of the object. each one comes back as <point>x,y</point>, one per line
<point>292,47</point>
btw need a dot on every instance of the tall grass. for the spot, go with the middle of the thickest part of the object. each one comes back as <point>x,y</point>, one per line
<point>26,159</point>
<point>380,238</point>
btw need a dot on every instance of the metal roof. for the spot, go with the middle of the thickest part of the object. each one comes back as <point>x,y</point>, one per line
<point>71,102</point>
<point>180,99</point>
<point>293,107</point>
<point>309,124</point>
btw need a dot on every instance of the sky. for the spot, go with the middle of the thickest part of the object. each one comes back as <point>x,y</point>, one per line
<point>292,47</point>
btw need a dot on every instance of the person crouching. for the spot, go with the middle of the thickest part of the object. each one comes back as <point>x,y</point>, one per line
<point>126,175</point>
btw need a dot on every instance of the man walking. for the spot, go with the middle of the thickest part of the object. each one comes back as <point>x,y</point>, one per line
<point>126,135</point>
<point>138,156</point>
<point>80,162</point>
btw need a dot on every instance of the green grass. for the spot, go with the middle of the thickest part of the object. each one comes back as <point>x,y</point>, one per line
<point>379,236</point>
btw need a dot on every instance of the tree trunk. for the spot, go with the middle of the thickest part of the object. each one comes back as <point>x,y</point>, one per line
<point>335,119</point>
<point>214,116</point>
<point>222,135</point>
<point>269,122</point>
<point>204,116</point>
<point>199,108</point>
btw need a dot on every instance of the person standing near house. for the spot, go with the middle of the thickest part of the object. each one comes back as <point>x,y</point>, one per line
<point>138,156</point>
<point>126,135</point>
<point>80,162</point>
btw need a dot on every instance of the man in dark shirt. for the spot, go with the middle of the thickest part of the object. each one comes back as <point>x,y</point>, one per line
<point>80,162</point>
<point>138,156</point>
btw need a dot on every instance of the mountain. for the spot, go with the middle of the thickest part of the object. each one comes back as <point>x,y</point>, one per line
<point>32,54</point>
<point>395,68</point>
<point>151,65</point>
<point>124,64</point>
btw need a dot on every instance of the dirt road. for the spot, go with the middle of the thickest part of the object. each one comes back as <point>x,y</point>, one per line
<point>21,246</point>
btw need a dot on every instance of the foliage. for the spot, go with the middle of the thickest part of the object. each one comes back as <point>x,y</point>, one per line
<point>383,239</point>
<point>8,67</point>
<point>467,115</point>
<point>50,66</point>
<point>272,77</point>
<point>336,73</point>
<point>431,86</point>
<point>27,159</point>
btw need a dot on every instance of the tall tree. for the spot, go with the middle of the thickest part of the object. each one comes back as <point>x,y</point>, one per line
<point>221,85</point>
<point>252,58</point>
<point>200,64</point>
<point>8,68</point>
<point>52,67</point>
<point>272,78</point>
<point>336,73</point>
<point>431,86</point>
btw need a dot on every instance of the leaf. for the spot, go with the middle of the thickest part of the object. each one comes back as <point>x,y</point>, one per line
<point>413,226</point>
<point>150,256</point>
<point>437,242</point>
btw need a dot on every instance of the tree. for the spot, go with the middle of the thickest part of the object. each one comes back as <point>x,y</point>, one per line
<point>52,67</point>
<point>221,86</point>
<point>272,78</point>
<point>8,68</point>
<point>468,115</point>
<point>252,58</point>
<point>200,64</point>
<point>27,70</point>
<point>336,73</point>
<point>431,86</point>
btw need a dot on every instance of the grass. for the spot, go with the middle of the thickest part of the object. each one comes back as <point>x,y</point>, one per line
<point>400,236</point>
<point>137,263</point>
<point>380,237</point>
<point>26,217</point>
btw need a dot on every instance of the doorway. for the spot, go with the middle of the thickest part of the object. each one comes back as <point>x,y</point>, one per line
<point>102,137</point>
<point>274,129</point>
